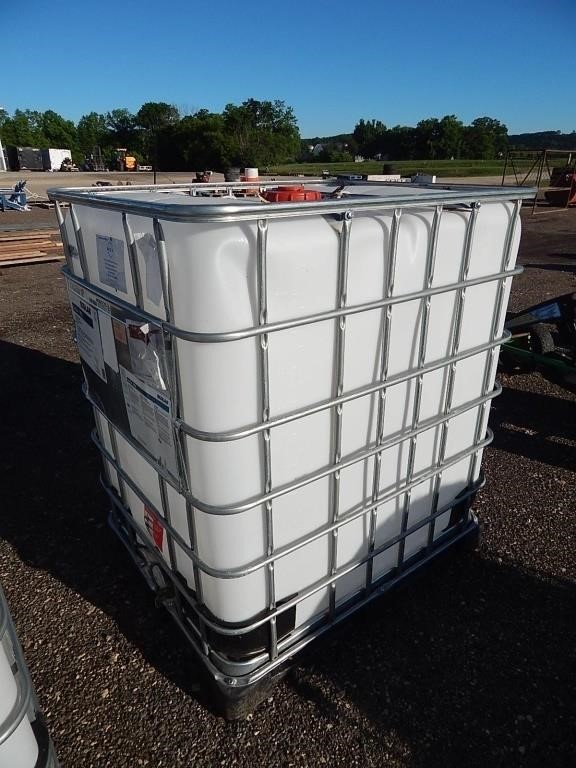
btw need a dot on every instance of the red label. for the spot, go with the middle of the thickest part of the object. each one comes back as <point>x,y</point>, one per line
<point>154,527</point>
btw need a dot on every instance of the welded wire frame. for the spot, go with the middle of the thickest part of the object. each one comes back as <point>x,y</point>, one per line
<point>25,703</point>
<point>264,332</point>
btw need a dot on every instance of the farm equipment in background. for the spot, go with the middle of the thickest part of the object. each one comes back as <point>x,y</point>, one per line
<point>94,162</point>
<point>122,161</point>
<point>14,198</point>
<point>68,166</point>
<point>562,189</point>
<point>544,339</point>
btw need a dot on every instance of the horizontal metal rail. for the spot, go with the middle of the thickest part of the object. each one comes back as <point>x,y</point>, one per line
<point>122,201</point>
<point>354,394</point>
<point>320,474</point>
<point>303,635</point>
<point>242,628</point>
<point>280,552</point>
<point>333,314</point>
<point>289,549</point>
<point>246,333</point>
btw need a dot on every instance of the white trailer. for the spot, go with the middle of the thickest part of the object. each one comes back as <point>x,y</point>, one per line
<point>52,158</point>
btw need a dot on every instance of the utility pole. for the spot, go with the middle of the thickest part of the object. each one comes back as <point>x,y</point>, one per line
<point>2,160</point>
<point>155,155</point>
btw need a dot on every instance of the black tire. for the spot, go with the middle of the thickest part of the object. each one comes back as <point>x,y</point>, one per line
<point>541,340</point>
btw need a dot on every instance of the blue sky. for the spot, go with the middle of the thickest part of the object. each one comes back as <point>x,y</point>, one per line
<point>333,62</point>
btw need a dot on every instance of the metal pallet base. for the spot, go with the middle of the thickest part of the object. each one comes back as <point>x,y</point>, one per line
<point>235,696</point>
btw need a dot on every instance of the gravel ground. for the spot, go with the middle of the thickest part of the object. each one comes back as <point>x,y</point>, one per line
<point>37,183</point>
<point>473,665</point>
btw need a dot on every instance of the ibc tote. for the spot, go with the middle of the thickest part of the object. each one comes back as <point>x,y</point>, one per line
<point>24,739</point>
<point>291,387</point>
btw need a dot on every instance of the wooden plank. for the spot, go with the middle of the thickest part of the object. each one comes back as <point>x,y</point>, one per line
<point>5,247</point>
<point>43,234</point>
<point>20,254</point>
<point>30,244</point>
<point>30,260</point>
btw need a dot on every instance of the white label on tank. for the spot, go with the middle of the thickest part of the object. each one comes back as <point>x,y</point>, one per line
<point>110,252</point>
<point>88,334</point>
<point>105,322</point>
<point>150,418</point>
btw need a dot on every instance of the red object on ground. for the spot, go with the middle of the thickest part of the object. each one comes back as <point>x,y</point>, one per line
<point>291,195</point>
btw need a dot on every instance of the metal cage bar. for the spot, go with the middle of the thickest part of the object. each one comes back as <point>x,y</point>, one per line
<point>386,328</point>
<point>280,552</point>
<point>262,288</point>
<point>115,199</point>
<point>338,389</point>
<point>454,348</point>
<point>79,242</point>
<point>425,317</point>
<point>258,330</point>
<point>282,490</point>
<point>171,349</point>
<point>133,260</point>
<point>492,355</point>
<point>325,582</point>
<point>63,234</point>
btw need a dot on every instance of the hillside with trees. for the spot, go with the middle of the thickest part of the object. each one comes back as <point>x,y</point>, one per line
<point>261,134</point>
<point>431,139</point>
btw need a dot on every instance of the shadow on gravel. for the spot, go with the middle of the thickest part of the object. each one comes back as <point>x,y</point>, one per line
<point>471,666</point>
<point>556,266</point>
<point>539,427</point>
<point>54,512</point>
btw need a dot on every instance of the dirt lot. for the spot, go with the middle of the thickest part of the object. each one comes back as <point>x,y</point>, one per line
<point>38,182</point>
<point>475,665</point>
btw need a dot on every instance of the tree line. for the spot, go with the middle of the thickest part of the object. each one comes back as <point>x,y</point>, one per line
<point>254,133</point>
<point>257,133</point>
<point>431,139</point>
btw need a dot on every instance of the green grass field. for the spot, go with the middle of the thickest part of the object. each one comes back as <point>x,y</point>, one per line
<point>405,167</point>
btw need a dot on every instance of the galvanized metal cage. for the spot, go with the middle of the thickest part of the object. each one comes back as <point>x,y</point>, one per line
<point>240,654</point>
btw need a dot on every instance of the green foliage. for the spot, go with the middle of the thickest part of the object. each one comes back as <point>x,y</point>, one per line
<point>92,132</point>
<point>259,133</point>
<point>24,129</point>
<point>432,139</point>
<point>368,135</point>
<point>156,115</point>
<point>122,129</point>
<point>196,142</point>
<point>542,140</point>
<point>60,132</point>
<point>262,134</point>
<point>485,138</point>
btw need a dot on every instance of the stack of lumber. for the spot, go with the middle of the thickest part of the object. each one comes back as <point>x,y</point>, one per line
<point>31,247</point>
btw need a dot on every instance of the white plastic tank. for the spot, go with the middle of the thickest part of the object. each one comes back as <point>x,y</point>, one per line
<point>421,279</point>
<point>19,743</point>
